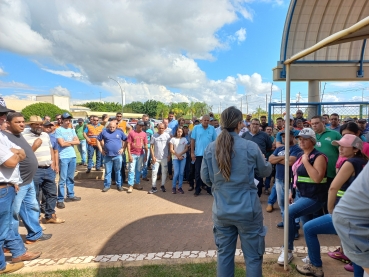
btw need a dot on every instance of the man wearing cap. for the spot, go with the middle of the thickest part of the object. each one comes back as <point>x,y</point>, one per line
<point>10,156</point>
<point>25,204</point>
<point>262,140</point>
<point>324,138</point>
<point>59,122</point>
<point>82,147</point>
<point>201,136</point>
<point>44,178</point>
<point>137,153</point>
<point>348,119</point>
<point>91,132</point>
<point>66,138</point>
<point>278,139</point>
<point>277,158</point>
<point>248,120</point>
<point>299,115</point>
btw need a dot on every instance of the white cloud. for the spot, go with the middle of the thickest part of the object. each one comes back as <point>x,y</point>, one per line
<point>59,90</point>
<point>14,85</point>
<point>65,73</point>
<point>2,72</point>
<point>241,35</point>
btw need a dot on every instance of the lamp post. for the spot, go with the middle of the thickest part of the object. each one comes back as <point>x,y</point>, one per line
<point>121,91</point>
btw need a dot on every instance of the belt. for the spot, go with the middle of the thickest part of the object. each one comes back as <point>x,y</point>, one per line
<point>4,185</point>
<point>44,167</point>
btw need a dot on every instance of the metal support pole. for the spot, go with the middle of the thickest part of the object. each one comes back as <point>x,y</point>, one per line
<point>286,166</point>
<point>122,93</point>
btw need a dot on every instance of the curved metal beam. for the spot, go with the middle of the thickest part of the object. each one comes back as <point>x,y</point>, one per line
<point>360,72</point>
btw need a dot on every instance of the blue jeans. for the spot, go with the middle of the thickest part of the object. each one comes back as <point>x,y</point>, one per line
<point>134,169</point>
<point>26,206</point>
<point>111,162</point>
<point>273,196</point>
<point>82,149</point>
<point>302,207</point>
<point>145,165</point>
<point>44,180</point>
<point>320,225</point>
<point>179,166</point>
<point>90,152</point>
<point>66,178</point>
<point>252,244</point>
<point>7,235</point>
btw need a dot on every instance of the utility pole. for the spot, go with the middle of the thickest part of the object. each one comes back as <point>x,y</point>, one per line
<point>266,103</point>
<point>247,106</point>
<point>271,92</point>
<point>241,104</point>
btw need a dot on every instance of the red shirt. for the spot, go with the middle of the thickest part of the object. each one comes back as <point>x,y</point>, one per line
<point>136,141</point>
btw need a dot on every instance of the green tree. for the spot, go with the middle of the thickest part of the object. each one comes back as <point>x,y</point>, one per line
<point>42,109</point>
<point>136,106</point>
<point>103,107</point>
<point>150,107</point>
<point>162,110</point>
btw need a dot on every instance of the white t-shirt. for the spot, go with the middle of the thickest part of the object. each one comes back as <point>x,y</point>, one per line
<point>8,175</point>
<point>179,145</point>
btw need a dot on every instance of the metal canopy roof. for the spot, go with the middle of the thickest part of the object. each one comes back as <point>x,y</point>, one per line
<point>311,21</point>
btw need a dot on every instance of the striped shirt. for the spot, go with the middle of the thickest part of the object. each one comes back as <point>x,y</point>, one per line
<point>43,153</point>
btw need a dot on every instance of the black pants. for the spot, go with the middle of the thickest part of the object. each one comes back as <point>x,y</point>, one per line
<point>260,185</point>
<point>199,182</point>
<point>170,167</point>
<point>44,181</point>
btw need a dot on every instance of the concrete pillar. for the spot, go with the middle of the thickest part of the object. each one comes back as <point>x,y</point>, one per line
<point>313,96</point>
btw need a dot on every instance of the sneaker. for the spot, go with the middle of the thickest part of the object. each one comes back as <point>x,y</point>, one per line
<point>60,205</point>
<point>88,170</point>
<point>28,256</point>
<point>105,189</point>
<point>310,270</point>
<point>349,267</point>
<point>174,191</point>
<point>138,187</point>
<point>153,190</point>
<point>306,260</point>
<point>280,224</point>
<point>119,188</point>
<point>180,190</point>
<point>53,219</point>
<point>163,189</point>
<point>281,257</point>
<point>42,238</point>
<point>146,179</point>
<point>338,255</point>
<point>72,199</point>
<point>12,267</point>
<point>191,189</point>
<point>269,208</point>
<point>130,189</point>
<point>266,192</point>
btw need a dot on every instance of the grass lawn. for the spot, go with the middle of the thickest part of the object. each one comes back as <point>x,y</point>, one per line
<point>173,270</point>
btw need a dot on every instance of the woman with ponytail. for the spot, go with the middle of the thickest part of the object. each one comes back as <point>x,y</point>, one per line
<point>228,166</point>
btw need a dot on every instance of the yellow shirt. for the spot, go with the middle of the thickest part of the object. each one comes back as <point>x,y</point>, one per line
<point>190,126</point>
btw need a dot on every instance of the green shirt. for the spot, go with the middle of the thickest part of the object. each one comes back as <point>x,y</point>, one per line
<point>79,131</point>
<point>324,145</point>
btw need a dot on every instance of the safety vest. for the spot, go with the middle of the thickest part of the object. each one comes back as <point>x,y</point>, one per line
<point>306,186</point>
<point>122,125</point>
<point>93,132</point>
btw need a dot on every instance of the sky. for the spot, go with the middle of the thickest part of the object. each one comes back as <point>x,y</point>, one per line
<point>216,51</point>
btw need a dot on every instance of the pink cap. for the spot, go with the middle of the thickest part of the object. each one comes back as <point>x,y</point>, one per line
<point>349,141</point>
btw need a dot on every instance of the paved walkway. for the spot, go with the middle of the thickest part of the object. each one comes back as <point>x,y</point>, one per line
<point>117,226</point>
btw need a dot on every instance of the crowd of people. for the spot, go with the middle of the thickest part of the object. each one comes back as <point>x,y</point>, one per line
<point>233,162</point>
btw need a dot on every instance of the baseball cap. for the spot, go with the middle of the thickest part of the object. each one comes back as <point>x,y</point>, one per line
<point>3,108</point>
<point>197,121</point>
<point>48,123</point>
<point>141,123</point>
<point>348,119</point>
<point>349,140</point>
<point>80,120</point>
<point>285,117</point>
<point>185,125</point>
<point>307,133</point>
<point>66,116</point>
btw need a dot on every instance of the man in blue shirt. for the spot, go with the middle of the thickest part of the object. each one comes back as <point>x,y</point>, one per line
<point>149,134</point>
<point>201,136</point>
<point>111,142</point>
<point>277,158</point>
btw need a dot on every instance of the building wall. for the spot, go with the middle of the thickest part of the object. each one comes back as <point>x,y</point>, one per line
<point>63,102</point>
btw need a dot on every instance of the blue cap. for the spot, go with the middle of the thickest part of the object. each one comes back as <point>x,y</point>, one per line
<point>66,116</point>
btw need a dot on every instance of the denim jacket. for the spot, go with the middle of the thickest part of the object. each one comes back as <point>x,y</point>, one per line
<point>236,200</point>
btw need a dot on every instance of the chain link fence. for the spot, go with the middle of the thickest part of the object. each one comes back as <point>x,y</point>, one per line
<point>343,109</point>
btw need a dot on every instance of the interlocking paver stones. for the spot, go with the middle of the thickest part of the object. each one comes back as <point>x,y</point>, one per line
<point>117,223</point>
